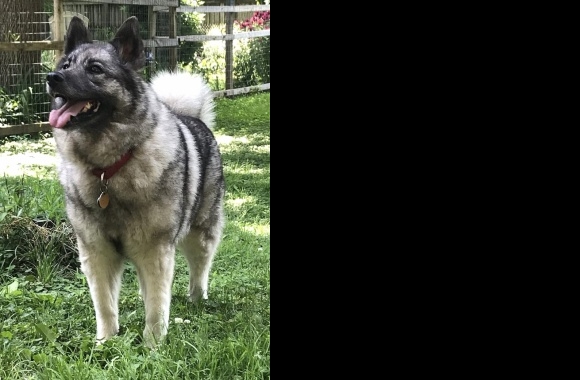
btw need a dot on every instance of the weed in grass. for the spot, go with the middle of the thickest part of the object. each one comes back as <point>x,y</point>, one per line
<point>28,244</point>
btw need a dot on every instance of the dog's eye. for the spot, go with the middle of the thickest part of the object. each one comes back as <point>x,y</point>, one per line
<point>65,66</point>
<point>95,69</point>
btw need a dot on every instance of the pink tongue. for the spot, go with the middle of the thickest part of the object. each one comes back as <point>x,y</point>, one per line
<point>58,118</point>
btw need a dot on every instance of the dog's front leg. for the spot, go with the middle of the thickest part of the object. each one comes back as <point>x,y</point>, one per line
<point>103,268</point>
<point>155,271</point>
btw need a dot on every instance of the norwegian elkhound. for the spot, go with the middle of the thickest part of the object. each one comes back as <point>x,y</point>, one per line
<point>141,171</point>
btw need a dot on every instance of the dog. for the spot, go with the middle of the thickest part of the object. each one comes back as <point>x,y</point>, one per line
<point>141,171</point>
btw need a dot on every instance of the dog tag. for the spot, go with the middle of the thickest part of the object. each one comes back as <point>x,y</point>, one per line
<point>103,200</point>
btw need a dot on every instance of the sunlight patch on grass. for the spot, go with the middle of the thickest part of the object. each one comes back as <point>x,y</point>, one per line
<point>45,145</point>
<point>254,149</point>
<point>28,157</point>
<point>255,144</point>
<point>262,149</point>
<point>245,170</point>
<point>236,203</point>
<point>258,229</point>
<point>30,163</point>
<point>227,140</point>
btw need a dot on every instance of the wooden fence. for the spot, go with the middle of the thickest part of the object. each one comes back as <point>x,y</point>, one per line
<point>110,12</point>
<point>103,15</point>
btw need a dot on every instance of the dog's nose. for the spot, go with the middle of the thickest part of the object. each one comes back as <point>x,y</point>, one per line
<point>54,78</point>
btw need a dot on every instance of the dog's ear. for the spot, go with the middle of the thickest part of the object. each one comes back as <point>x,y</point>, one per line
<point>76,34</point>
<point>128,43</point>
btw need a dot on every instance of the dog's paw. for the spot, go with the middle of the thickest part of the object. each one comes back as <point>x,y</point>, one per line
<point>100,342</point>
<point>153,339</point>
<point>197,295</point>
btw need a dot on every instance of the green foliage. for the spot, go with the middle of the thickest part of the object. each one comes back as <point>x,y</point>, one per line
<point>210,62</point>
<point>18,108</point>
<point>260,51</point>
<point>24,103</point>
<point>105,33</point>
<point>190,24</point>
<point>252,59</point>
<point>251,63</point>
<point>32,196</point>
<point>244,74</point>
<point>48,6</point>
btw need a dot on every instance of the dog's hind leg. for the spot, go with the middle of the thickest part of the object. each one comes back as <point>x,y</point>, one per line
<point>155,270</point>
<point>103,269</point>
<point>199,248</point>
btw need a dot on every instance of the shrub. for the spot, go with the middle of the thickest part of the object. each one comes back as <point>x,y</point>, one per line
<point>190,24</point>
<point>17,108</point>
<point>251,56</point>
<point>252,61</point>
<point>210,61</point>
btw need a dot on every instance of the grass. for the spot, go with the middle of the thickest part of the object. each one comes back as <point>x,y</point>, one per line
<point>47,325</point>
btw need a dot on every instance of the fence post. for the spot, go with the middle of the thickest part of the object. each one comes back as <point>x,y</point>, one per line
<point>57,20</point>
<point>152,32</point>
<point>173,34</point>
<point>229,48</point>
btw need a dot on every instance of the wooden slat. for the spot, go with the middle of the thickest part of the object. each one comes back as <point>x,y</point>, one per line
<point>25,128</point>
<point>155,42</point>
<point>31,46</point>
<point>171,42</point>
<point>172,35</point>
<point>230,48</point>
<point>160,42</point>
<point>164,3</point>
<point>216,9</point>
<point>226,37</point>
<point>57,20</point>
<point>242,90</point>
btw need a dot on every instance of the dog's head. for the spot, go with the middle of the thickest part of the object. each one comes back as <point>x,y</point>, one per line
<point>94,81</point>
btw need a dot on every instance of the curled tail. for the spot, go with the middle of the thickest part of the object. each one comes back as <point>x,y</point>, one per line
<point>186,94</point>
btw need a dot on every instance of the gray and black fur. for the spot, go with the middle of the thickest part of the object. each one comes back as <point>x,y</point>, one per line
<point>168,194</point>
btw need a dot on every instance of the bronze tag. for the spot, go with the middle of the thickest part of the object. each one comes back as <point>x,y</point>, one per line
<point>103,200</point>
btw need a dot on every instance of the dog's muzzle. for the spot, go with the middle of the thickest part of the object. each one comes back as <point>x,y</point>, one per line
<point>54,78</point>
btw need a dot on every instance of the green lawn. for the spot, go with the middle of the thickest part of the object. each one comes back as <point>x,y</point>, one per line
<point>47,323</point>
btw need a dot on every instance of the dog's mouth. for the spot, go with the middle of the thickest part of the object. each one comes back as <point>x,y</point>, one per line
<point>72,110</point>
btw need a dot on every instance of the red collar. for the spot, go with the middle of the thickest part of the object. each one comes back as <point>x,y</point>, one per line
<point>111,170</point>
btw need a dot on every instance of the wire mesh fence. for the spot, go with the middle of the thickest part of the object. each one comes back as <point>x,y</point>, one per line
<point>198,44</point>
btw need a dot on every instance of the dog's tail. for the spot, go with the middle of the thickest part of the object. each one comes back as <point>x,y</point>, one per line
<point>186,94</point>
